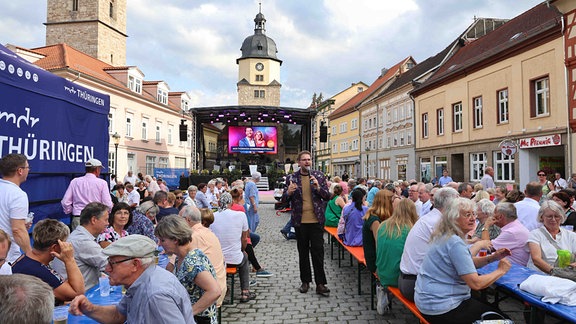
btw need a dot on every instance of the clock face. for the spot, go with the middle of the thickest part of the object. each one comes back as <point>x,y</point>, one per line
<point>259,66</point>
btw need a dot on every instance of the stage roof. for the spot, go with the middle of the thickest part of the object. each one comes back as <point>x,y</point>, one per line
<point>232,115</point>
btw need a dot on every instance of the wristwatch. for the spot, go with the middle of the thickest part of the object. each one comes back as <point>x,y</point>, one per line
<point>484,229</point>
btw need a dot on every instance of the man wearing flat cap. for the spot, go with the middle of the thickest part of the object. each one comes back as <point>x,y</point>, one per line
<point>153,294</point>
<point>84,190</point>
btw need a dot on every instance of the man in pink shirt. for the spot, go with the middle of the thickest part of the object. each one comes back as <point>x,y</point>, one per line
<point>84,190</point>
<point>513,234</point>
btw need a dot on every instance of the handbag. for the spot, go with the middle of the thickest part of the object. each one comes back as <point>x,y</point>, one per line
<point>501,320</point>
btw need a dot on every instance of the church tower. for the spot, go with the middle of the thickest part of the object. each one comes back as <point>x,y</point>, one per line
<point>96,27</point>
<point>259,68</point>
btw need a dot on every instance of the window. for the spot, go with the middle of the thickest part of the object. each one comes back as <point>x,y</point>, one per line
<point>440,164</point>
<point>144,128</point>
<point>259,77</point>
<point>189,140</point>
<point>74,5</point>
<point>111,159</point>
<point>360,89</point>
<point>129,118</point>
<point>135,84</point>
<point>440,121</point>
<point>477,166</point>
<point>425,169</point>
<point>385,166</point>
<point>401,112</point>
<point>388,116</point>
<point>409,110</point>
<point>401,166</point>
<point>111,10</point>
<point>170,132</point>
<point>343,128</point>
<point>110,123</point>
<point>334,148</point>
<point>184,104</point>
<point>503,167</point>
<point>180,163</point>
<point>150,164</point>
<point>540,103</point>
<point>163,162</point>
<point>457,117</point>
<point>409,136</point>
<point>425,125</point>
<point>369,123</point>
<point>503,106</point>
<point>158,132</point>
<point>402,135</point>
<point>354,124</point>
<point>477,112</point>
<point>333,130</point>
<point>395,114</point>
<point>388,141</point>
<point>259,94</point>
<point>395,142</point>
<point>162,96</point>
<point>354,145</point>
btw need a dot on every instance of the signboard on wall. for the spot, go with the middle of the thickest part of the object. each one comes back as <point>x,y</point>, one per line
<point>541,141</point>
<point>508,147</point>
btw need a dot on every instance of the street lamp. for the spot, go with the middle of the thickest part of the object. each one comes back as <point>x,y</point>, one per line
<point>116,139</point>
<point>367,168</point>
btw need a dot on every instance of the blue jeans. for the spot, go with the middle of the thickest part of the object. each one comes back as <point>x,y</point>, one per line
<point>255,238</point>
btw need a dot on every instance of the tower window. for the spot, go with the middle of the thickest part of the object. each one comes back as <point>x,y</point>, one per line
<point>259,77</point>
<point>111,10</point>
<point>259,94</point>
<point>74,5</point>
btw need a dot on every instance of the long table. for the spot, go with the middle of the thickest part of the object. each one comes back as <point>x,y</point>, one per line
<point>93,295</point>
<point>509,284</point>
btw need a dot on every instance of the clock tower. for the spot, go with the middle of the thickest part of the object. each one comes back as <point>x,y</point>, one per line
<point>259,68</point>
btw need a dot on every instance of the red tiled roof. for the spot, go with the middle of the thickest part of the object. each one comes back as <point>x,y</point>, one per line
<point>349,105</point>
<point>516,32</point>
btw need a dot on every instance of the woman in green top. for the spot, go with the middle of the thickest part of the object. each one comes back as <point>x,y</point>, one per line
<point>392,235</point>
<point>334,207</point>
<point>380,211</point>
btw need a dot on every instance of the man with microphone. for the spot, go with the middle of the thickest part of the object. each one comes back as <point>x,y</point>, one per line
<point>308,195</point>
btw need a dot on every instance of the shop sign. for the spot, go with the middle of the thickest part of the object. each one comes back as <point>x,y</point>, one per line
<point>508,147</point>
<point>541,141</point>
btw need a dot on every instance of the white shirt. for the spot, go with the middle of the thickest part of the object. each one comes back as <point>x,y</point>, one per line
<point>13,205</point>
<point>133,197</point>
<point>5,269</point>
<point>487,181</point>
<point>417,242</point>
<point>527,211</point>
<point>418,204</point>
<point>425,208</point>
<point>560,184</point>
<point>565,239</point>
<point>228,226</point>
<point>131,179</point>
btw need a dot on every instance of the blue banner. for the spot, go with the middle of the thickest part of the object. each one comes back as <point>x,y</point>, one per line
<point>171,176</point>
<point>56,123</point>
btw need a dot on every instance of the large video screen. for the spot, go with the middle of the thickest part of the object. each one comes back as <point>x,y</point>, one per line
<point>252,139</point>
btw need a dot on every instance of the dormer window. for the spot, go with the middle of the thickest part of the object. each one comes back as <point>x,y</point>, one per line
<point>184,105</point>
<point>162,96</point>
<point>135,84</point>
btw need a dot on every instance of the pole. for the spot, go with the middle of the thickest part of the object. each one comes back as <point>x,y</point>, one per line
<point>116,159</point>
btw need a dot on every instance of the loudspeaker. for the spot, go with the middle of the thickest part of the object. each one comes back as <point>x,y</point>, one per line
<point>323,134</point>
<point>183,131</point>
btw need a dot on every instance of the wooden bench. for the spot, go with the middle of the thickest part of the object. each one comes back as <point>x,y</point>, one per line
<point>409,304</point>
<point>356,252</point>
<point>231,273</point>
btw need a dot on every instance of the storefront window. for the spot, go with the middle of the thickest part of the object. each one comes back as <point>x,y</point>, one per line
<point>503,167</point>
<point>425,169</point>
<point>477,166</point>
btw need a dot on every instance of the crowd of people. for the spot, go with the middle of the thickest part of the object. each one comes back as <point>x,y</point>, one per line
<point>118,230</point>
<point>428,239</point>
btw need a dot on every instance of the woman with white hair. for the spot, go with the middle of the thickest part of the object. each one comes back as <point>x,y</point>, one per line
<point>152,185</point>
<point>485,215</point>
<point>448,272</point>
<point>546,240</point>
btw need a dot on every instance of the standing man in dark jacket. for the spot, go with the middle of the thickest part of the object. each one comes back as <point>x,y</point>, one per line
<point>308,195</point>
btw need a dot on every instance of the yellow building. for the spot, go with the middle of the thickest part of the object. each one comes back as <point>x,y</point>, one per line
<point>322,150</point>
<point>345,128</point>
<point>506,86</point>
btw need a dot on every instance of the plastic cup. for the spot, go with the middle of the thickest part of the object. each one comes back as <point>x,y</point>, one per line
<point>60,315</point>
<point>104,286</point>
<point>563,258</point>
<point>482,253</point>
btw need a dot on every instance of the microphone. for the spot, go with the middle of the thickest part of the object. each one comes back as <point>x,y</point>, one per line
<point>309,170</point>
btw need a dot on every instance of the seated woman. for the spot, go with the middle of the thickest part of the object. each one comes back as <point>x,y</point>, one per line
<point>334,207</point>
<point>192,267</point>
<point>49,237</point>
<point>543,242</point>
<point>380,211</point>
<point>143,220</point>
<point>350,225</point>
<point>390,242</point>
<point>448,272</point>
<point>563,199</point>
<point>485,215</point>
<point>119,220</point>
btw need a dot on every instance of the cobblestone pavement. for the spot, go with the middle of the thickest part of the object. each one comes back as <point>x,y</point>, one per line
<point>279,301</point>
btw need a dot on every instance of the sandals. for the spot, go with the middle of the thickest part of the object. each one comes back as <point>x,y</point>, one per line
<point>247,296</point>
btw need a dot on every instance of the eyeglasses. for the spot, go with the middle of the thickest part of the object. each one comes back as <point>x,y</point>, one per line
<point>550,217</point>
<point>469,215</point>
<point>24,167</point>
<point>116,262</point>
<point>178,197</point>
<point>541,175</point>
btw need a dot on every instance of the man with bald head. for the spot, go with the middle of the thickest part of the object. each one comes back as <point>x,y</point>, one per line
<point>488,178</point>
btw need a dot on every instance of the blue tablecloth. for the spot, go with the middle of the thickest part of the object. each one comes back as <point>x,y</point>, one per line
<point>93,295</point>
<point>513,278</point>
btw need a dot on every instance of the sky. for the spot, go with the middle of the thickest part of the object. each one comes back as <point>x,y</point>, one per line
<point>325,45</point>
